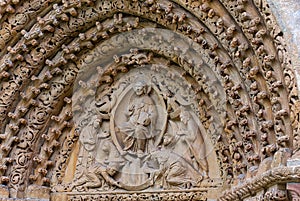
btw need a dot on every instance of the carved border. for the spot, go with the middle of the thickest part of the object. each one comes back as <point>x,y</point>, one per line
<point>280,175</point>
<point>199,194</point>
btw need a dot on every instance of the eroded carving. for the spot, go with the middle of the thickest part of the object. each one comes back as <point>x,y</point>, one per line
<point>238,42</point>
<point>141,143</point>
<point>140,129</point>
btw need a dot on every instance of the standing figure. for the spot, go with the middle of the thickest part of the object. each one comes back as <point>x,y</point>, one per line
<point>190,133</point>
<point>88,139</point>
<point>141,113</point>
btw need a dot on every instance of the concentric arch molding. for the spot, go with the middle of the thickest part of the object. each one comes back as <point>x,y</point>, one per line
<point>230,56</point>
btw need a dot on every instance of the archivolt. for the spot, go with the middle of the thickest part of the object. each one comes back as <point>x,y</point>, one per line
<point>233,50</point>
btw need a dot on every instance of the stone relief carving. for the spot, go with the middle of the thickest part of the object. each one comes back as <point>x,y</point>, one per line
<point>139,130</point>
<point>238,40</point>
<point>145,140</point>
<point>164,196</point>
<point>293,191</point>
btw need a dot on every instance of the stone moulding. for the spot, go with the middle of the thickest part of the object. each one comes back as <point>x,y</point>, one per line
<point>279,175</point>
<point>199,194</point>
<point>233,55</point>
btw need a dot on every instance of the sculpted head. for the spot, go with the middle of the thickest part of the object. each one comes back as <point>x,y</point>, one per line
<point>168,139</point>
<point>141,88</point>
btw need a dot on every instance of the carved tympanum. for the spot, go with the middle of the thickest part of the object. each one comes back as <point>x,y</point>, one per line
<point>136,136</point>
<point>144,130</point>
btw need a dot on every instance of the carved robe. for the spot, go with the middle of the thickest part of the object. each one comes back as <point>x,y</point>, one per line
<point>138,129</point>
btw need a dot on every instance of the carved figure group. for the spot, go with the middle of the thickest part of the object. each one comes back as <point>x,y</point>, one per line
<point>141,151</point>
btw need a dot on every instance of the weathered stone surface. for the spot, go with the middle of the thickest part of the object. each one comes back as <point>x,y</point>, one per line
<point>38,192</point>
<point>287,13</point>
<point>4,193</point>
<point>294,191</point>
<point>148,99</point>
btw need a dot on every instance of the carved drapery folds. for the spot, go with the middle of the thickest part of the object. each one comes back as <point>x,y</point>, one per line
<point>92,91</point>
<point>140,132</point>
<point>140,129</point>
